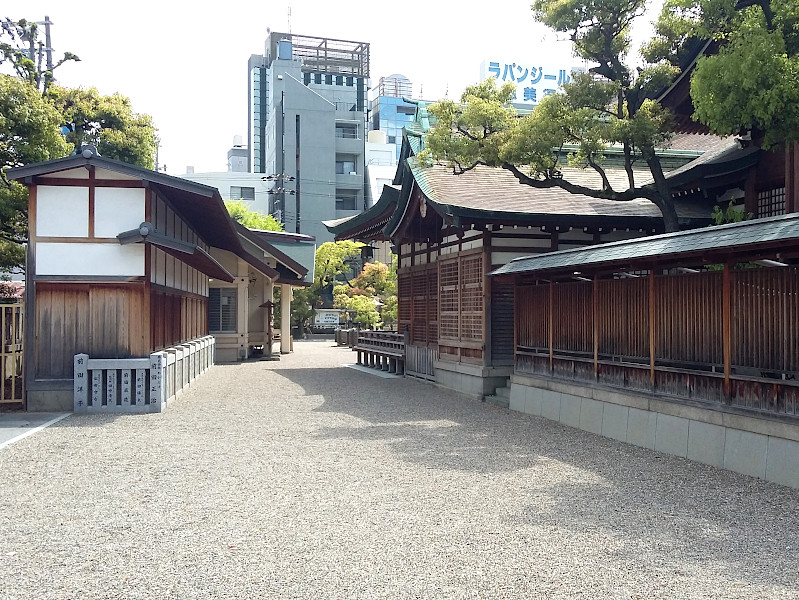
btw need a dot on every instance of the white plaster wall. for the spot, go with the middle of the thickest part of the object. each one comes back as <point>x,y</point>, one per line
<point>62,211</point>
<point>117,210</point>
<point>90,259</point>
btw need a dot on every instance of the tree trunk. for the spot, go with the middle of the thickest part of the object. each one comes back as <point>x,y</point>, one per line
<point>664,200</point>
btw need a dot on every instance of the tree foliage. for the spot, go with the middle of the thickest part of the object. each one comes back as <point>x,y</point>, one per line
<point>252,219</point>
<point>29,132</point>
<point>333,261</point>
<point>376,285</point>
<point>750,83</point>
<point>33,112</point>
<point>107,122</point>
<point>23,51</point>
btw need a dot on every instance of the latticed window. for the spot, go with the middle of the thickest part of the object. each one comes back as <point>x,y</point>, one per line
<point>771,202</point>
<point>472,298</point>
<point>461,298</point>
<point>432,291</point>
<point>448,297</point>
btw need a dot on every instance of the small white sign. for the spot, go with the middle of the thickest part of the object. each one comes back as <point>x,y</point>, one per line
<point>326,317</point>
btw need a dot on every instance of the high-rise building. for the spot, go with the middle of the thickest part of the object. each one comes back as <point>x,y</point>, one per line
<point>307,103</point>
<point>390,110</point>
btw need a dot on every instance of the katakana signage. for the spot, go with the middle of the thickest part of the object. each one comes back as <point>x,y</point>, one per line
<point>533,82</point>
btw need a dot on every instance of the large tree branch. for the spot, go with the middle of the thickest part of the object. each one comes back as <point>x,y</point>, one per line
<point>605,183</point>
<point>573,188</point>
<point>628,164</point>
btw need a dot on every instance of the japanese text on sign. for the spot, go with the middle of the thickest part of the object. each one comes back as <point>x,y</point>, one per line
<point>533,82</point>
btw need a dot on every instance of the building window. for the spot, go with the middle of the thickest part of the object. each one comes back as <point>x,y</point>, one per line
<point>328,80</point>
<point>306,78</point>
<point>349,81</point>
<point>346,199</point>
<point>317,78</point>
<point>339,80</point>
<point>345,164</point>
<point>347,131</point>
<point>222,310</point>
<point>243,193</point>
<point>771,202</point>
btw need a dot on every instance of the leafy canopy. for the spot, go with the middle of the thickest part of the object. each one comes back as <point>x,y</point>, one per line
<point>376,285</point>
<point>23,51</point>
<point>107,122</point>
<point>750,83</point>
<point>29,132</point>
<point>251,219</point>
<point>32,113</point>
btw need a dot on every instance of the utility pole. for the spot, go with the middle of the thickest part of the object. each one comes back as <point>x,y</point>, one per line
<point>48,45</point>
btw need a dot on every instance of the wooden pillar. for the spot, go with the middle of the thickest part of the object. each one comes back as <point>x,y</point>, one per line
<point>551,327</point>
<point>242,309</point>
<point>595,302</point>
<point>285,318</point>
<point>269,288</point>
<point>727,329</point>
<point>652,333</point>
<point>792,177</point>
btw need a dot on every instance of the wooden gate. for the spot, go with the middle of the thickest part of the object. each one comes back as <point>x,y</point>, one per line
<point>11,353</point>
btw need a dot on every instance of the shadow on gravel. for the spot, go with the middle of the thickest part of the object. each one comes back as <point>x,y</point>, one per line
<point>652,505</point>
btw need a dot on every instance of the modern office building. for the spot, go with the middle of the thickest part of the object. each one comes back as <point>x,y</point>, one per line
<point>307,104</point>
<point>390,110</point>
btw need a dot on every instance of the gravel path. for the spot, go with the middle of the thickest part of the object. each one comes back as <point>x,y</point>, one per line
<point>303,479</point>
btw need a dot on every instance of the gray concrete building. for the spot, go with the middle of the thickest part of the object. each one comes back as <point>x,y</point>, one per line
<point>307,106</point>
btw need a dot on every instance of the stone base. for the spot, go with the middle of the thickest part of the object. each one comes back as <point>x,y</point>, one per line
<point>476,381</point>
<point>768,449</point>
<point>50,395</point>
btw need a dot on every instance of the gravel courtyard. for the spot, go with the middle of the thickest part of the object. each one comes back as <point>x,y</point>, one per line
<point>305,479</point>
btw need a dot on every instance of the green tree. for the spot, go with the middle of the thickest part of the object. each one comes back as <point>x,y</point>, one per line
<point>250,218</point>
<point>107,122</point>
<point>378,283</point>
<point>750,84</point>
<point>333,261</point>
<point>611,105</point>
<point>21,48</point>
<point>32,114</point>
<point>29,132</point>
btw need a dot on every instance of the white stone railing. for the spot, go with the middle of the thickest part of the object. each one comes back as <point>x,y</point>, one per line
<point>139,385</point>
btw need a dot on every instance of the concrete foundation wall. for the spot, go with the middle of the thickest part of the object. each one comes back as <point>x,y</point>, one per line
<point>763,448</point>
<point>50,396</point>
<point>476,381</point>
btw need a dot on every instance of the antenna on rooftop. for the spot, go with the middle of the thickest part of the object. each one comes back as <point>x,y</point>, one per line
<point>289,18</point>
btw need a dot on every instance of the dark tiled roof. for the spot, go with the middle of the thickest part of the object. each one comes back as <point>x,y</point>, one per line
<point>498,191</point>
<point>782,231</point>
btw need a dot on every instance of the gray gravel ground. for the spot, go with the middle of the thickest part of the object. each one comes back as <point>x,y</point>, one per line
<point>303,479</point>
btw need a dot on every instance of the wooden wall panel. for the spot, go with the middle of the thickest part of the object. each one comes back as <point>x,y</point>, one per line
<point>102,320</point>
